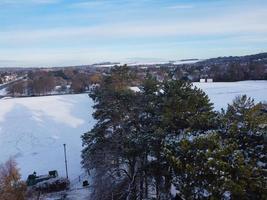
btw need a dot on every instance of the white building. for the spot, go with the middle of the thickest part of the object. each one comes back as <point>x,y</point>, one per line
<point>206,80</point>
<point>209,80</point>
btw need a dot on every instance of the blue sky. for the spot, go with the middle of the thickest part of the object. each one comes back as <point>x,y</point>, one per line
<point>70,32</point>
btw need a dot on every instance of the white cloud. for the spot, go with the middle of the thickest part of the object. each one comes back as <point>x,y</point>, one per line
<point>87,4</point>
<point>238,23</point>
<point>20,2</point>
<point>181,6</point>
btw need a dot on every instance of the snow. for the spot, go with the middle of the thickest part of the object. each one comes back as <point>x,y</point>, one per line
<point>33,130</point>
<point>148,62</point>
<point>76,191</point>
<point>135,89</point>
<point>261,164</point>
<point>80,194</point>
<point>180,62</point>
<point>50,181</point>
<point>3,92</point>
<point>223,93</point>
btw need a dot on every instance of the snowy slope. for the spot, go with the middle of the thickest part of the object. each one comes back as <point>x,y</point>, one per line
<point>33,130</point>
<point>222,93</point>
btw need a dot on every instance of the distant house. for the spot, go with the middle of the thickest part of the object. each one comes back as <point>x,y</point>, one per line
<point>209,80</point>
<point>206,80</point>
<point>9,78</point>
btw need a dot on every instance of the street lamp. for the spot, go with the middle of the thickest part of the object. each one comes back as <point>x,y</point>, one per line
<point>66,164</point>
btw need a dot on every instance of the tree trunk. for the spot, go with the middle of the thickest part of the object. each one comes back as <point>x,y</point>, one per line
<point>141,180</point>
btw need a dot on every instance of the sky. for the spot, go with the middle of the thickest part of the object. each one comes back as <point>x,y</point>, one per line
<point>75,32</point>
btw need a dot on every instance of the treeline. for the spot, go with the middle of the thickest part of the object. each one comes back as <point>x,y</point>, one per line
<point>166,142</point>
<point>53,82</point>
<point>221,72</point>
<point>232,68</point>
<point>239,72</point>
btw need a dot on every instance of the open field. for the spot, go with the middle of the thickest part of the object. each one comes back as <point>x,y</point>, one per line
<point>33,130</point>
<point>222,93</point>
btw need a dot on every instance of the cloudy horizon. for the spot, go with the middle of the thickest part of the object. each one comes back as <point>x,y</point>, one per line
<point>75,32</point>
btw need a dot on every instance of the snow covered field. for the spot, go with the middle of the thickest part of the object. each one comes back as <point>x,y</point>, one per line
<point>33,130</point>
<point>222,93</point>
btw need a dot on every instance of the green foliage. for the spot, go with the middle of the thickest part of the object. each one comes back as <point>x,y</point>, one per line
<point>168,135</point>
<point>185,107</point>
<point>230,160</point>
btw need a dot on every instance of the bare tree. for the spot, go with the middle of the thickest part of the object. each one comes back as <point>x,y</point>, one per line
<point>16,89</point>
<point>11,187</point>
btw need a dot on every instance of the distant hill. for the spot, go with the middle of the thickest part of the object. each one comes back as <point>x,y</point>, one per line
<point>260,58</point>
<point>231,68</point>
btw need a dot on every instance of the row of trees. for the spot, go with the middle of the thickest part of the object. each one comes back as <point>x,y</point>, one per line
<point>44,83</point>
<point>38,86</point>
<point>167,141</point>
<point>239,72</point>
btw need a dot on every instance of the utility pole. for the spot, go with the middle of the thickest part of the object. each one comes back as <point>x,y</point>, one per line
<point>66,164</point>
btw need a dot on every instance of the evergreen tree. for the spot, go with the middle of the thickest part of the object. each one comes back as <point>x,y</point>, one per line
<point>167,135</point>
<point>228,163</point>
<point>109,145</point>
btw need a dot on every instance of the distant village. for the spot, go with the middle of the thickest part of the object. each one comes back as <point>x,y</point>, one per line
<point>19,82</point>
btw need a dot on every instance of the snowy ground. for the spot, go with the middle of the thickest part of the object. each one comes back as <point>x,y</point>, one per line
<point>76,192</point>
<point>222,93</point>
<point>3,92</point>
<point>33,130</point>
